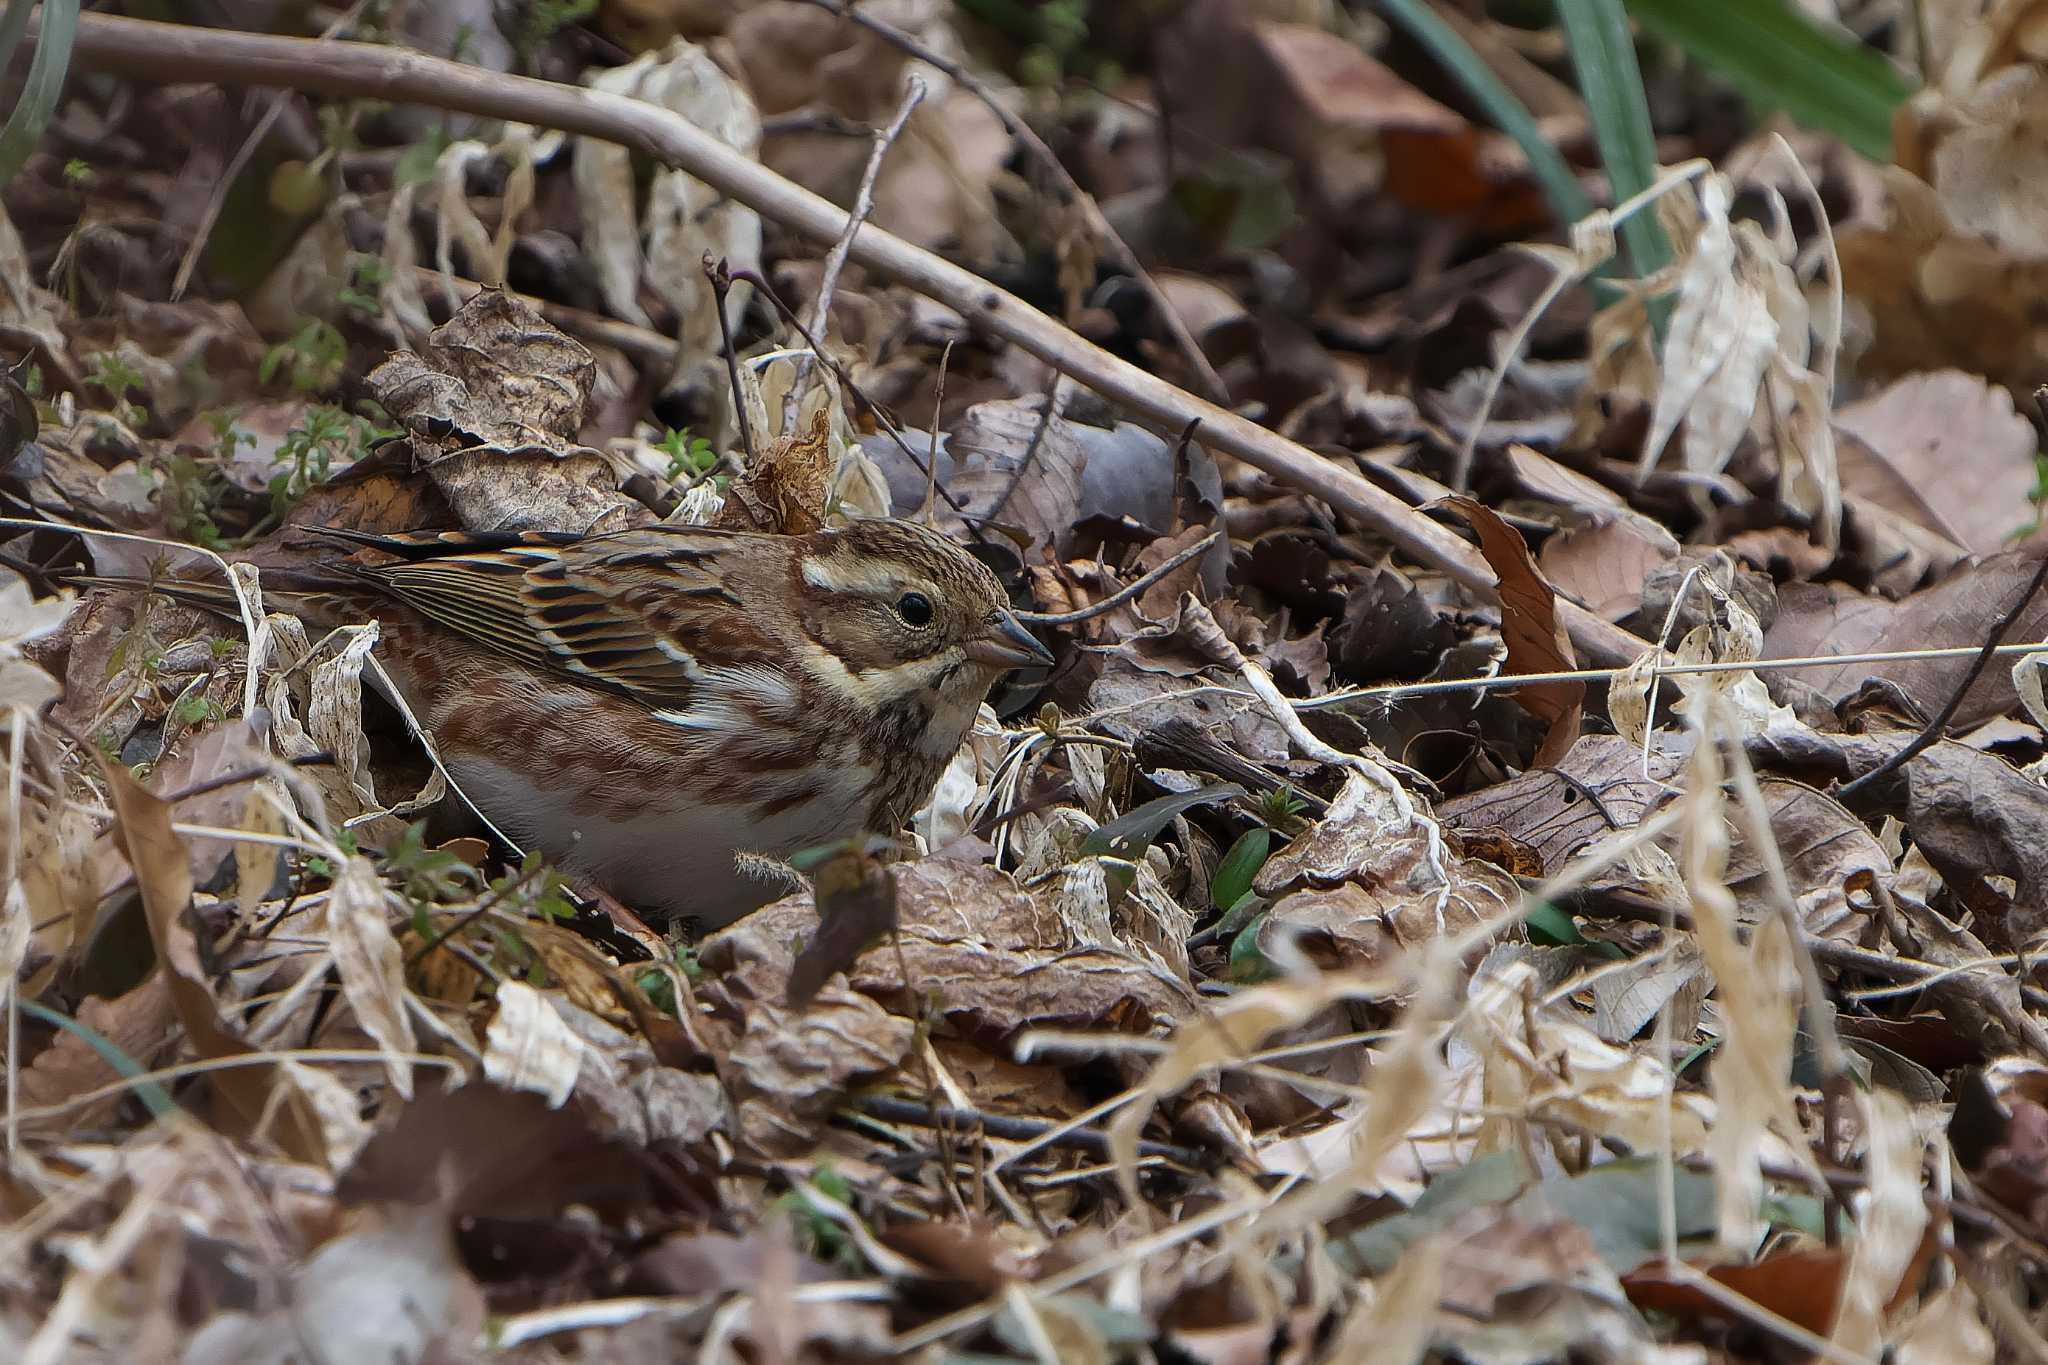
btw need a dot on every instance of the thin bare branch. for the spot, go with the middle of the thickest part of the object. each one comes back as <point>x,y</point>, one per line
<point>1936,728</point>
<point>1121,595</point>
<point>863,205</point>
<point>720,276</point>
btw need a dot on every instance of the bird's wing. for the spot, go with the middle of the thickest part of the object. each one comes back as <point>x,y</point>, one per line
<point>618,611</point>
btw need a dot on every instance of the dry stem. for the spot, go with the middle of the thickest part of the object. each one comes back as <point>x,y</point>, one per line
<point>835,260</point>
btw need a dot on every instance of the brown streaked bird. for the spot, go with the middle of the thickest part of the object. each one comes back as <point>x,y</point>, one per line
<point>641,706</point>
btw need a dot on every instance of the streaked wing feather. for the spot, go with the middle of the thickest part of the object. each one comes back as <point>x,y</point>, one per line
<point>581,609</point>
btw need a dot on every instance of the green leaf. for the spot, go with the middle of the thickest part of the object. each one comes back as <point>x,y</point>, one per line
<point>1233,879</point>
<point>1374,1249</point>
<point>1617,1203</point>
<point>1548,924</point>
<point>1604,56</point>
<point>1499,104</point>
<point>1248,964</point>
<point>38,99</point>
<point>1130,834</point>
<point>1780,59</point>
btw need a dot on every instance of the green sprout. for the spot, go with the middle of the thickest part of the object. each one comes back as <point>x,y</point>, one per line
<point>689,457</point>
<point>311,359</point>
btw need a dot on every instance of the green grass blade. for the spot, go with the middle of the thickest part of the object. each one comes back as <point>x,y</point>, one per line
<point>13,25</point>
<point>1779,59</point>
<point>1497,102</point>
<point>153,1096</point>
<point>31,112</point>
<point>1604,56</point>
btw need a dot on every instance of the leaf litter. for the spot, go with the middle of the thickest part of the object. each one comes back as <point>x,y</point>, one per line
<point>1258,985</point>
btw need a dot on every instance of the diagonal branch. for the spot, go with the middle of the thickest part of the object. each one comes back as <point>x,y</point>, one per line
<point>150,51</point>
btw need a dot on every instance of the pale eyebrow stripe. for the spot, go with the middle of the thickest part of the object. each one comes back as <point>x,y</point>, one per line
<point>856,579</point>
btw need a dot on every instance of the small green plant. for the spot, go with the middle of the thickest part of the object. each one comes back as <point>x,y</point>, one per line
<point>112,372</point>
<point>309,450</point>
<point>536,889</point>
<point>660,986</point>
<point>227,437</point>
<point>1053,38</point>
<point>367,275</point>
<point>817,1233</point>
<point>188,491</point>
<point>1233,880</point>
<point>2039,497</point>
<point>1280,806</point>
<point>310,360</point>
<point>416,164</point>
<point>428,876</point>
<point>319,866</point>
<point>196,708</point>
<point>689,457</point>
<point>77,173</point>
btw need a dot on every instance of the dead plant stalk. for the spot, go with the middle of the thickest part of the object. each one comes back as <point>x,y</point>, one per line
<point>863,205</point>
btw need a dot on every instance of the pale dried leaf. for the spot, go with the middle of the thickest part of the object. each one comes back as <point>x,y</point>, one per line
<point>1949,450</point>
<point>1628,698</point>
<point>528,1047</point>
<point>2026,681</point>
<point>1758,992</point>
<point>337,1108</point>
<point>1891,1214</point>
<point>357,931</point>
<point>1948,1330</point>
<point>24,617</point>
<point>1720,340</point>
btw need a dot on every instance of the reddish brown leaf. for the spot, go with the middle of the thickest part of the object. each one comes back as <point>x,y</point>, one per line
<point>1800,1286</point>
<point>1535,638</point>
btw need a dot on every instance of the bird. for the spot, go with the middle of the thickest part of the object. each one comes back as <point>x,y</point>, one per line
<point>641,707</point>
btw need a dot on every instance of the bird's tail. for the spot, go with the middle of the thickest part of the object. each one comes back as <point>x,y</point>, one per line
<point>214,597</point>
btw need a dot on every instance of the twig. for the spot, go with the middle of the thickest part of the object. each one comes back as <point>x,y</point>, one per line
<point>931,473</point>
<point>814,121</point>
<point>1121,595</point>
<point>944,1117</point>
<point>1934,729</point>
<point>152,51</point>
<point>1098,225</point>
<point>720,276</point>
<point>1180,473</point>
<point>835,260</point>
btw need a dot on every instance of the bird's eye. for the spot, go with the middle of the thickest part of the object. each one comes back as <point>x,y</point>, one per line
<point>915,608</point>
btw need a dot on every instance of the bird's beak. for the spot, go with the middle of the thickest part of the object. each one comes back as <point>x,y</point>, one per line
<point>1008,645</point>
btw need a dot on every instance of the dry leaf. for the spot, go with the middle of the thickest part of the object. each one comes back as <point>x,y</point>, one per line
<point>1536,639</point>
